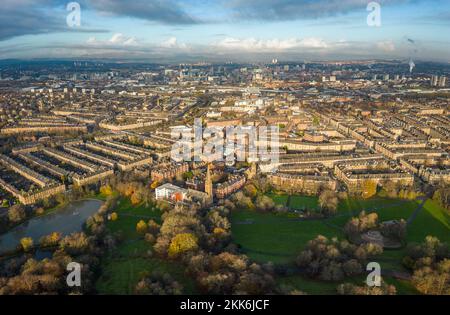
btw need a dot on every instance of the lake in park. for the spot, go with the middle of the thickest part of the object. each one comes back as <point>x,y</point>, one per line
<point>66,220</point>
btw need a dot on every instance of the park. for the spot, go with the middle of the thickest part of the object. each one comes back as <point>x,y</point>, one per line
<point>278,238</point>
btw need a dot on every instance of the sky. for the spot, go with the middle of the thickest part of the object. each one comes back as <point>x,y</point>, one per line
<point>225,30</point>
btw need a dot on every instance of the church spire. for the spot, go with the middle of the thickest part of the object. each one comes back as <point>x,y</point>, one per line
<point>208,183</point>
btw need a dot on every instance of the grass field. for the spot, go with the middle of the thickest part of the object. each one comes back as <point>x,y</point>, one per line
<point>120,274</point>
<point>432,220</point>
<point>122,269</point>
<point>302,202</point>
<point>279,238</point>
<point>387,209</point>
<point>279,199</point>
<point>295,202</point>
<point>276,238</point>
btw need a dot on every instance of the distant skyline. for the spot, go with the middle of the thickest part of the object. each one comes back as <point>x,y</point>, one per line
<point>221,30</point>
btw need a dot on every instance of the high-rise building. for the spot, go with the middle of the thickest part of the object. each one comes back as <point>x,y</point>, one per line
<point>442,81</point>
<point>434,80</point>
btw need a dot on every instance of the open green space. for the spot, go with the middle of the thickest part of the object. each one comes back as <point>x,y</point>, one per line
<point>120,274</point>
<point>431,220</point>
<point>387,209</point>
<point>304,202</point>
<point>279,199</point>
<point>122,269</point>
<point>295,202</point>
<point>129,216</point>
<point>279,238</point>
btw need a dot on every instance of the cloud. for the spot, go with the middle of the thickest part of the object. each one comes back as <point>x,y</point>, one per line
<point>172,42</point>
<point>118,47</point>
<point>166,12</point>
<point>118,39</point>
<point>386,46</point>
<point>33,17</point>
<point>27,17</point>
<point>281,10</point>
<point>252,44</point>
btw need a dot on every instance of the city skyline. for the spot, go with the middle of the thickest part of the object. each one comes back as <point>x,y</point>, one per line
<point>219,31</point>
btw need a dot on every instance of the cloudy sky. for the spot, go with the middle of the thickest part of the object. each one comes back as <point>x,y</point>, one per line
<point>225,30</point>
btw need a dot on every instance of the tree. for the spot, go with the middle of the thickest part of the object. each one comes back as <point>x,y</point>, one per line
<point>75,243</point>
<point>430,263</point>
<point>106,190</point>
<point>391,188</point>
<point>141,227</point>
<point>40,211</point>
<point>434,281</point>
<point>332,260</point>
<point>395,230</point>
<point>369,188</point>
<point>250,190</point>
<point>17,213</point>
<point>358,225</point>
<point>154,185</point>
<point>329,201</point>
<point>242,201</point>
<point>442,196</point>
<point>114,216</point>
<point>26,243</point>
<point>153,227</point>
<point>50,240</point>
<point>316,121</point>
<point>182,243</point>
<point>352,289</point>
<point>264,203</point>
<point>158,284</point>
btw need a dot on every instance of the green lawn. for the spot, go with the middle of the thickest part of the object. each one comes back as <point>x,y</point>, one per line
<point>432,220</point>
<point>296,201</point>
<point>277,238</point>
<point>304,202</point>
<point>120,275</point>
<point>387,209</point>
<point>122,269</point>
<point>280,237</point>
<point>129,216</point>
<point>278,199</point>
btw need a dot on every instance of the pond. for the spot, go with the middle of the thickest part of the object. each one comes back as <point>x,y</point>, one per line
<point>66,220</point>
